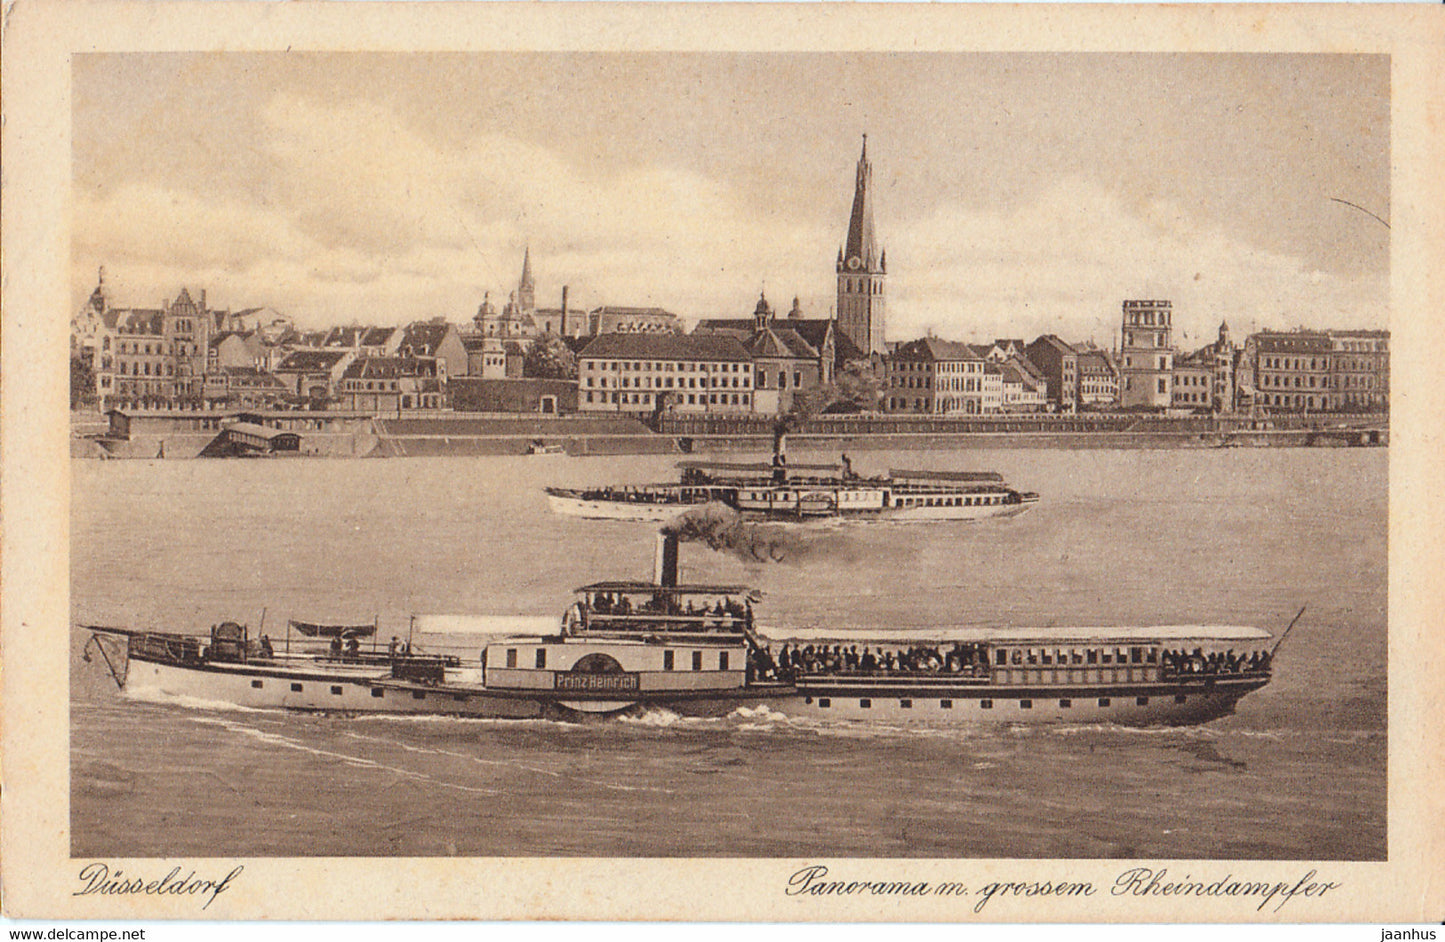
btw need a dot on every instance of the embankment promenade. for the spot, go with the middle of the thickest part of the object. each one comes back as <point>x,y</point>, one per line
<point>182,434</point>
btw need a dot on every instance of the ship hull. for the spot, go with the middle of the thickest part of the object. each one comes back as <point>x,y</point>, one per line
<point>928,701</point>
<point>617,509</point>
<point>941,703</point>
<point>360,692</point>
<point>663,512</point>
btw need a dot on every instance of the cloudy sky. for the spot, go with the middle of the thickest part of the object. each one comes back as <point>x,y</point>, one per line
<point>1016,193</point>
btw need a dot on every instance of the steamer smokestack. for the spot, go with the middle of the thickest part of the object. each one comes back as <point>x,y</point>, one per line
<point>665,568</point>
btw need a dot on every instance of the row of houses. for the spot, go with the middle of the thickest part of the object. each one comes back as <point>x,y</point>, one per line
<point>185,355</point>
<point>188,356</point>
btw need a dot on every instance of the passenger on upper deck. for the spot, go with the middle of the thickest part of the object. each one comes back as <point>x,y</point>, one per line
<point>266,649</point>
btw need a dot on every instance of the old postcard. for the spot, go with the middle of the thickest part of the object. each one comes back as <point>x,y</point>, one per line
<point>791,463</point>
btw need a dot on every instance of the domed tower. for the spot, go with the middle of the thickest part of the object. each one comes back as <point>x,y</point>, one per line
<point>862,268</point>
<point>763,313</point>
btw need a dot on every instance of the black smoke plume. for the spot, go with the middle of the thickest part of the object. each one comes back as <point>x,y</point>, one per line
<point>723,529</point>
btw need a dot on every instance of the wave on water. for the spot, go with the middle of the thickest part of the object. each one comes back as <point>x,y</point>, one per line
<point>509,764</point>
<point>159,696</point>
<point>359,762</point>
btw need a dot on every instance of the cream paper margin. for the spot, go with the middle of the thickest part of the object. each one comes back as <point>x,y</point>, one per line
<point>39,876</point>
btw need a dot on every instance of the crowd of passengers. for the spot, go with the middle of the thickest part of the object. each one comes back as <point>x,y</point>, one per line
<point>1227,662</point>
<point>665,603</point>
<point>967,660</point>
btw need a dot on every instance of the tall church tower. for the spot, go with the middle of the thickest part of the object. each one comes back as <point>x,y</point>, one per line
<point>527,287</point>
<point>862,268</point>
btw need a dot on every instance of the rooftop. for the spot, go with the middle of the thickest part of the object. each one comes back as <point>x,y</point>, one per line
<point>646,346</point>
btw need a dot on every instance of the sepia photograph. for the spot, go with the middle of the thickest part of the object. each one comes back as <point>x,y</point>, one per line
<point>663,455</point>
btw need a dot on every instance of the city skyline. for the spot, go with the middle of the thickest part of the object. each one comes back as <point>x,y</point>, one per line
<point>1017,194</point>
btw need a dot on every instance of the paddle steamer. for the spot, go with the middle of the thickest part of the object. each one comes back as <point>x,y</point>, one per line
<point>807,492</point>
<point>696,650</point>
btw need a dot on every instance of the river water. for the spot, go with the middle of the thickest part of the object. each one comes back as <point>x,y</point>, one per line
<point>1212,536</point>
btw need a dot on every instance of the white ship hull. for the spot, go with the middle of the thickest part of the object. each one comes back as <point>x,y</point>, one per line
<point>1162,704</point>
<point>616,509</point>
<point>341,690</point>
<point>659,512</point>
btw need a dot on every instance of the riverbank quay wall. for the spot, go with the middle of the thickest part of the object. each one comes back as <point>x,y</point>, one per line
<point>505,434</point>
<point>333,434</point>
<point>181,434</point>
<point>1103,430</point>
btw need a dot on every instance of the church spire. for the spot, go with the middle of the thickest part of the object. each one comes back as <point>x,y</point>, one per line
<point>861,244</point>
<point>862,268</point>
<point>527,287</point>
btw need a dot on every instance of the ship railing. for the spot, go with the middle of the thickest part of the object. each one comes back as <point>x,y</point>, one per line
<point>1168,673</point>
<point>915,678</point>
<point>669,623</point>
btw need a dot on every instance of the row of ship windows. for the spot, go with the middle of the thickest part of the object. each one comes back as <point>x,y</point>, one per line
<point>866,703</point>
<point>945,501</point>
<point>376,692</point>
<point>669,659</point>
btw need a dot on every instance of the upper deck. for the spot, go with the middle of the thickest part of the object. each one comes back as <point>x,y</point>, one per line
<point>630,608</point>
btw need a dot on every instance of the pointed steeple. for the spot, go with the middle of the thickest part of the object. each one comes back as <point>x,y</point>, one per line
<point>861,272</point>
<point>527,287</point>
<point>98,296</point>
<point>861,244</point>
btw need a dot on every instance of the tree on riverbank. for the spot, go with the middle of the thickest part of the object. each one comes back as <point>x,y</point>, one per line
<point>549,357</point>
<point>82,383</point>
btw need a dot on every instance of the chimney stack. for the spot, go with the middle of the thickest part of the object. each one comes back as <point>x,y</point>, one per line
<point>665,568</point>
<point>562,327</point>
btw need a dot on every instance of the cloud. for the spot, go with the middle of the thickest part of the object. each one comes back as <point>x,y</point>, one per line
<point>365,218</point>
<point>1065,259</point>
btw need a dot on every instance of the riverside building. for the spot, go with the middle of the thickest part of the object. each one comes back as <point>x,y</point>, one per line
<point>645,372</point>
<point>1146,355</point>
